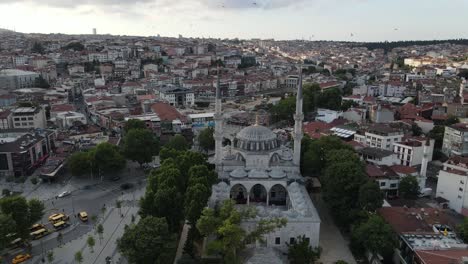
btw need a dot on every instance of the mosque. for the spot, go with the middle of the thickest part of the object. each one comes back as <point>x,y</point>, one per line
<point>257,170</point>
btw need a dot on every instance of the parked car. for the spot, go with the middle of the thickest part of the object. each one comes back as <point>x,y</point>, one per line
<point>64,194</point>
<point>83,216</point>
<point>426,192</point>
<point>20,258</point>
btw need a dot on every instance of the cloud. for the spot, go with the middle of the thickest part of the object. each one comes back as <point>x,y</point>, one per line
<point>77,3</point>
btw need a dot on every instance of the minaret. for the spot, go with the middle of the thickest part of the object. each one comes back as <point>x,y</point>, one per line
<point>425,158</point>
<point>218,118</point>
<point>298,118</point>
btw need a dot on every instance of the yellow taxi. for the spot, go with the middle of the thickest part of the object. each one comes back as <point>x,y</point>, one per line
<point>20,258</point>
<point>83,216</point>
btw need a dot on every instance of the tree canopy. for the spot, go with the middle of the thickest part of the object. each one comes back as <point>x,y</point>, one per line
<point>107,158</point>
<point>301,252</point>
<point>224,223</point>
<point>206,139</point>
<point>24,213</point>
<point>140,145</point>
<point>177,142</point>
<point>37,48</point>
<point>149,241</point>
<point>409,187</point>
<point>370,196</point>
<point>79,163</point>
<point>134,124</point>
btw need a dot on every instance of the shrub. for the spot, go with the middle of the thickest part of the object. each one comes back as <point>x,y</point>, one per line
<point>126,186</point>
<point>34,180</point>
<point>20,179</point>
<point>10,178</point>
<point>6,192</point>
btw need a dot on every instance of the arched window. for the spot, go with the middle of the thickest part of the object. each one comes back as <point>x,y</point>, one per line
<point>258,194</point>
<point>278,195</point>
<point>238,194</point>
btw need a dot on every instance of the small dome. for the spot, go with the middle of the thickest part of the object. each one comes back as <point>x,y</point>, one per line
<point>256,138</point>
<point>258,174</point>
<point>238,173</point>
<point>277,174</point>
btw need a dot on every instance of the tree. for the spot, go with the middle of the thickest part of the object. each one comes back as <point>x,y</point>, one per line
<point>330,99</point>
<point>417,131</point>
<point>409,187</point>
<point>36,210</point>
<point>196,198</point>
<point>225,222</point>
<point>345,105</point>
<point>177,142</point>
<point>37,48</point>
<point>108,158</point>
<point>150,241</point>
<point>437,133</point>
<point>375,236</point>
<point>76,46</point>
<point>463,230</point>
<point>370,196</point>
<point>451,120</point>
<point>134,124</point>
<point>206,139</point>
<point>79,257</point>
<point>100,232</point>
<point>79,163</point>
<point>40,82</point>
<point>301,252</point>
<point>22,212</point>
<point>50,256</point>
<point>7,226</point>
<point>140,145</point>
<point>118,205</point>
<point>91,242</point>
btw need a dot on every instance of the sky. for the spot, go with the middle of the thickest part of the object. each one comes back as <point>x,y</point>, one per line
<point>347,20</point>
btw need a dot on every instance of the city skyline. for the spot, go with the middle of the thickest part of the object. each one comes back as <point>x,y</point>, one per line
<point>354,20</point>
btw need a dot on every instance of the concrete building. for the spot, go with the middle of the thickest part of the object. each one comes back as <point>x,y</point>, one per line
<point>177,96</point>
<point>258,171</point>
<point>379,136</point>
<point>5,119</point>
<point>411,151</point>
<point>452,184</point>
<point>381,114</point>
<point>456,140</point>
<point>378,156</point>
<point>12,79</point>
<point>69,119</point>
<point>28,117</point>
<point>23,150</point>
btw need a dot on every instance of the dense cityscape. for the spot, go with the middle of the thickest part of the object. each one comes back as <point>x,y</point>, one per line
<point>129,149</point>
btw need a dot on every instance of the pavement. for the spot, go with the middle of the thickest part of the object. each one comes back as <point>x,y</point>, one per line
<point>183,238</point>
<point>334,245</point>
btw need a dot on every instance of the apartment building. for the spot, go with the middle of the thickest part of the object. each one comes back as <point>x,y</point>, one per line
<point>379,136</point>
<point>410,152</point>
<point>452,184</point>
<point>456,140</point>
<point>12,79</point>
<point>29,117</point>
<point>177,96</point>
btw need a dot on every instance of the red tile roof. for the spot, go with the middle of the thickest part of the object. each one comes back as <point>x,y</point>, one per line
<point>62,108</point>
<point>4,114</point>
<point>166,112</point>
<point>441,256</point>
<point>404,219</point>
<point>400,169</point>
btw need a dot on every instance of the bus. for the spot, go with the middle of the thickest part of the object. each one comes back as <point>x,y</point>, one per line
<point>60,225</point>
<point>58,217</point>
<point>39,233</point>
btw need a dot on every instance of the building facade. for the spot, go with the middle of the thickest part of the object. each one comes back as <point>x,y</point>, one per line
<point>12,79</point>
<point>455,140</point>
<point>29,117</point>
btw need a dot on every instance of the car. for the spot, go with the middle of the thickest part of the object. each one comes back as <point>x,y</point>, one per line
<point>20,258</point>
<point>64,194</point>
<point>115,178</point>
<point>83,216</point>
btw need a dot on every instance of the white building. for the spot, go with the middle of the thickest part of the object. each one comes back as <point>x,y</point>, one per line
<point>456,140</point>
<point>378,156</point>
<point>327,116</point>
<point>29,117</point>
<point>452,184</point>
<point>258,171</point>
<point>11,79</point>
<point>177,96</point>
<point>379,136</point>
<point>411,151</point>
<point>69,119</point>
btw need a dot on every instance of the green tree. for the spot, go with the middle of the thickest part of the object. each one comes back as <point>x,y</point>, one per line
<point>91,242</point>
<point>150,241</point>
<point>7,226</point>
<point>140,145</point>
<point>195,200</point>
<point>134,124</point>
<point>76,46</point>
<point>79,257</point>
<point>231,237</point>
<point>37,48</point>
<point>100,232</point>
<point>108,158</point>
<point>40,82</point>
<point>50,256</point>
<point>330,99</point>
<point>345,105</point>
<point>79,163</point>
<point>206,139</point>
<point>370,196</point>
<point>118,205</point>
<point>409,187</point>
<point>301,252</point>
<point>36,210</point>
<point>451,120</point>
<point>437,133</point>
<point>284,110</point>
<point>417,131</point>
<point>177,142</point>
<point>462,230</point>
<point>375,236</point>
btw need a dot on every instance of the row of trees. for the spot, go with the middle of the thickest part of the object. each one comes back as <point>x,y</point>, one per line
<point>17,215</point>
<point>313,97</point>
<point>350,196</point>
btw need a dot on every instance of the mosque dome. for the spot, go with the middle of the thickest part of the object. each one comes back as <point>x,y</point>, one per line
<point>256,138</point>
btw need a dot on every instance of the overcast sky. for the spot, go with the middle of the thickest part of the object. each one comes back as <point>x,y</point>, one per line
<point>359,20</point>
